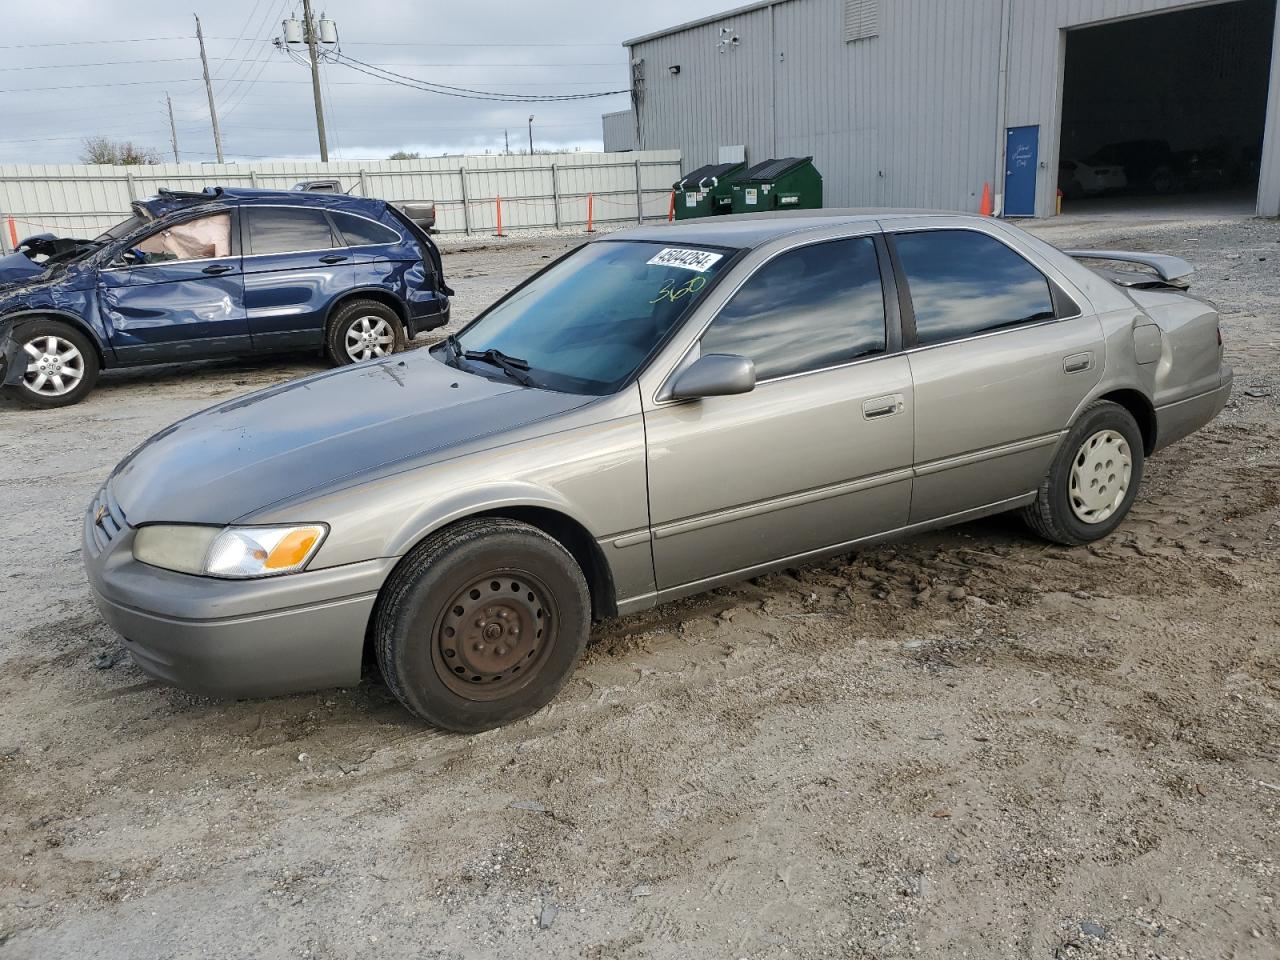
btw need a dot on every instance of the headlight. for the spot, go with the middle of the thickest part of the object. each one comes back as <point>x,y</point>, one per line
<point>234,552</point>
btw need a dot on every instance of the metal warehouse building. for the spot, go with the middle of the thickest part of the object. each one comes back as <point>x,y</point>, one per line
<point>919,102</point>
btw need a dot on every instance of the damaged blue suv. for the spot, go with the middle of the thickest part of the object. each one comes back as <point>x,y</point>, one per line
<point>220,272</point>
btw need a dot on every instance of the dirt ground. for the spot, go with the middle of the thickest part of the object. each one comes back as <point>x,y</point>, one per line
<point>970,744</point>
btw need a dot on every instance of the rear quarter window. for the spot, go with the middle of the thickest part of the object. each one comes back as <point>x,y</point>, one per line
<point>359,231</point>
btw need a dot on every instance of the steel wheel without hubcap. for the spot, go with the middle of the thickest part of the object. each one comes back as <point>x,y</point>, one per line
<point>494,636</point>
<point>1100,475</point>
<point>54,366</point>
<point>370,337</point>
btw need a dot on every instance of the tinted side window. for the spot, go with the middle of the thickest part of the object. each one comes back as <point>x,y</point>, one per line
<point>809,308</point>
<point>357,231</point>
<point>963,282</point>
<point>287,229</point>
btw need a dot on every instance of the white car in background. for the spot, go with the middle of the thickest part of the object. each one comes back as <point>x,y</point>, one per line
<point>1079,179</point>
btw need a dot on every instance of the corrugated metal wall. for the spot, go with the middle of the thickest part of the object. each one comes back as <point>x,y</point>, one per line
<point>912,117</point>
<point>539,191</point>
<point>619,131</point>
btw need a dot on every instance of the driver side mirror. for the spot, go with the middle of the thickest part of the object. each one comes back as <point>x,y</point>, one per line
<point>715,375</point>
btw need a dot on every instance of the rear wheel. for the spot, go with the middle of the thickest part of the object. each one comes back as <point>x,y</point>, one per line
<point>62,365</point>
<point>482,624</point>
<point>1094,478</point>
<point>363,330</point>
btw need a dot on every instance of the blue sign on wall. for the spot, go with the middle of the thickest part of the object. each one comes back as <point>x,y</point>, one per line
<point>1020,162</point>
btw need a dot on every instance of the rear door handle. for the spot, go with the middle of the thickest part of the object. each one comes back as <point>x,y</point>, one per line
<point>217,269</point>
<point>878,407</point>
<point>1077,363</point>
<point>333,258</point>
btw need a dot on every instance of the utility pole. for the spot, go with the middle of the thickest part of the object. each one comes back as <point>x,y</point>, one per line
<point>173,128</point>
<point>506,141</point>
<point>309,25</point>
<point>208,88</point>
<point>531,134</point>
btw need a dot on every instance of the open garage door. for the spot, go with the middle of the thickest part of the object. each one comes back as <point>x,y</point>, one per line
<point>1167,111</point>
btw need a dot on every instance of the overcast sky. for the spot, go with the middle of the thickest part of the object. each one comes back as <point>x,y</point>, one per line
<point>64,76</point>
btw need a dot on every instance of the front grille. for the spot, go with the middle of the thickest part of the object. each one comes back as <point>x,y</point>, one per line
<point>105,520</point>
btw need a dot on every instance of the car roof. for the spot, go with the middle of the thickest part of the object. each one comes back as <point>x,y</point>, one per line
<point>749,230</point>
<point>167,202</point>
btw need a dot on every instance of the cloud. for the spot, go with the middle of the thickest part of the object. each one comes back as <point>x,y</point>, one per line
<point>60,82</point>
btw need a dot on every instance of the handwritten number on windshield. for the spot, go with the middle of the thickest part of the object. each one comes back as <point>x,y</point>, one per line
<point>673,293</point>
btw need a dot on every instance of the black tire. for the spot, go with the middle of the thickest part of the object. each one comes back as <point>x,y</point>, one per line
<point>1051,515</point>
<point>348,315</point>
<point>421,625</point>
<point>36,333</point>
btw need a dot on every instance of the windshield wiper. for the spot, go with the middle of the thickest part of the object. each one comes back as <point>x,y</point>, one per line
<point>451,350</point>
<point>513,367</point>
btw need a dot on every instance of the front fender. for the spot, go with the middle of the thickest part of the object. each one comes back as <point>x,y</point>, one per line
<point>486,499</point>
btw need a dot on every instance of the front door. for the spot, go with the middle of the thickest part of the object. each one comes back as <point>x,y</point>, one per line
<point>177,294</point>
<point>1022,145</point>
<point>817,455</point>
<point>295,264</point>
<point>1001,361</point>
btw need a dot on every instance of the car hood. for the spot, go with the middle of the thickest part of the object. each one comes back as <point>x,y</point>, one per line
<point>232,460</point>
<point>18,266</point>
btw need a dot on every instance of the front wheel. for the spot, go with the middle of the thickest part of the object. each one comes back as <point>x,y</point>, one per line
<point>363,330</point>
<point>1093,480</point>
<point>481,624</point>
<point>62,365</point>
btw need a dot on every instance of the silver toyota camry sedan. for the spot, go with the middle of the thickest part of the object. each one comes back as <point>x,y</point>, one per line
<point>658,412</point>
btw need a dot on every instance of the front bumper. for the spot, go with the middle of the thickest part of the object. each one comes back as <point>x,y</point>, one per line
<point>230,638</point>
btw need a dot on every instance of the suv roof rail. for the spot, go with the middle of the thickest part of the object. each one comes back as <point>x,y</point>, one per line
<point>207,193</point>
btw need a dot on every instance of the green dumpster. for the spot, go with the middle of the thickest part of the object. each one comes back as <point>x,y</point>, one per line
<point>788,183</point>
<point>705,191</point>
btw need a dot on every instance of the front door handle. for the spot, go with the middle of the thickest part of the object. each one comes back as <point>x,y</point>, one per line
<point>1077,363</point>
<point>333,258</point>
<point>878,407</point>
<point>217,269</point>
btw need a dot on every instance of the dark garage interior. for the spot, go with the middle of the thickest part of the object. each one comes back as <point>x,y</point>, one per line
<point>1167,109</point>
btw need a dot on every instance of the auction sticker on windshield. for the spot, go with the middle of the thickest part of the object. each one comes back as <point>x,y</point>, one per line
<point>700,260</point>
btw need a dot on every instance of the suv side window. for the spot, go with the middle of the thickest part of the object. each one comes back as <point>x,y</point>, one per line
<point>286,230</point>
<point>809,308</point>
<point>202,238</point>
<point>357,231</point>
<point>963,282</point>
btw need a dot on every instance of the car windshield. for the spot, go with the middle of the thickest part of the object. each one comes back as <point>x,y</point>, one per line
<point>121,229</point>
<point>588,322</point>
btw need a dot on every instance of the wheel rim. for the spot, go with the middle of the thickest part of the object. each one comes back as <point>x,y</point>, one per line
<point>369,338</point>
<point>55,366</point>
<point>495,635</point>
<point>1100,475</point>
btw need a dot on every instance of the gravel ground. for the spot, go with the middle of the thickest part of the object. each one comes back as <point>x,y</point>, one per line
<point>970,744</point>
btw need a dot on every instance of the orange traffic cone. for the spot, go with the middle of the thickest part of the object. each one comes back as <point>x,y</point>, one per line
<point>984,207</point>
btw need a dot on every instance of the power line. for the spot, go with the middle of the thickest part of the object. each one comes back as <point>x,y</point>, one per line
<point>104,63</point>
<point>466,93</point>
<point>82,86</point>
<point>78,43</point>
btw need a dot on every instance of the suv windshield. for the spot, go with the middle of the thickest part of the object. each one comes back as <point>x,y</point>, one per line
<point>587,323</point>
<point>122,229</point>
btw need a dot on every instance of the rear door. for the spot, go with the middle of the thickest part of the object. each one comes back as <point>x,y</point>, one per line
<point>1001,358</point>
<point>178,293</point>
<point>295,264</point>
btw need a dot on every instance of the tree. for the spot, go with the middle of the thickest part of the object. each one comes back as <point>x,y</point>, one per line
<point>117,152</point>
<point>405,155</point>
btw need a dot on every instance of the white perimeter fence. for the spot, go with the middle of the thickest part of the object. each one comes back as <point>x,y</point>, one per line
<point>545,190</point>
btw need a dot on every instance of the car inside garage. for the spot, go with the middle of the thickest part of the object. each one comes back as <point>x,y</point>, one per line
<point>1167,111</point>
